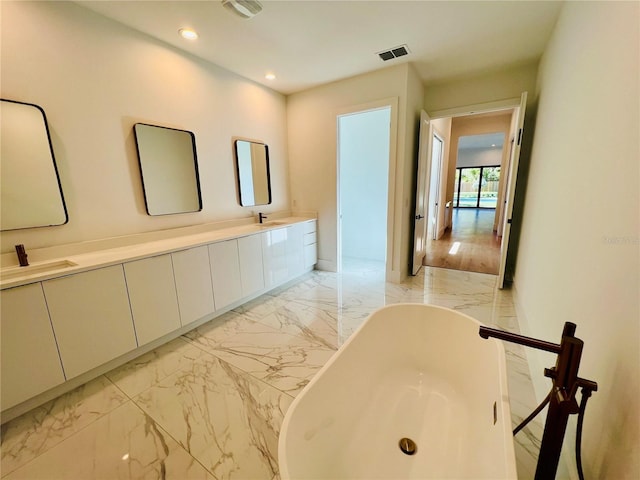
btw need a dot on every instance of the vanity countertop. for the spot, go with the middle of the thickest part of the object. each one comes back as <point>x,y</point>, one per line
<point>14,276</point>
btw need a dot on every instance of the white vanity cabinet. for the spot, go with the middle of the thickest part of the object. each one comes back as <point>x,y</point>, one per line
<point>310,244</point>
<point>225,272</point>
<point>274,251</point>
<point>193,283</point>
<point>30,360</point>
<point>251,269</point>
<point>152,294</point>
<point>91,318</point>
<point>63,330</point>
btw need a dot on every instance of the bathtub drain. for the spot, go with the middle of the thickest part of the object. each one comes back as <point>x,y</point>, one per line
<point>407,446</point>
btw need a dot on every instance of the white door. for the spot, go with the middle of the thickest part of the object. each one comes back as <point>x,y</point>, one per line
<point>437,147</point>
<point>511,189</point>
<point>420,221</point>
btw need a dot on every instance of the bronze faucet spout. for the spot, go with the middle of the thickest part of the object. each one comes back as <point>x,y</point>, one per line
<point>486,332</point>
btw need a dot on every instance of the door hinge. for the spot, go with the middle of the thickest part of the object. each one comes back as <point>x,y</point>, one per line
<point>509,221</point>
<point>520,137</point>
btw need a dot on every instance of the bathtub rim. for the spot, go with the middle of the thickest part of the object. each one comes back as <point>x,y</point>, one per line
<point>504,411</point>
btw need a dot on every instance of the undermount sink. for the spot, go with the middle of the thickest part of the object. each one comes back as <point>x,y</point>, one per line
<point>43,267</point>
<point>275,223</point>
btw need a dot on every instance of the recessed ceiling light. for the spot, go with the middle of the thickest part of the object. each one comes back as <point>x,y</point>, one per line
<point>188,33</point>
<point>270,76</point>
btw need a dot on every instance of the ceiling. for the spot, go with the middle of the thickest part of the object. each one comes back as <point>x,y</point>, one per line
<point>308,43</point>
<point>487,140</point>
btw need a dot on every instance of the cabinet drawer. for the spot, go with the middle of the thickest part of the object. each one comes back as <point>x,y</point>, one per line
<point>310,255</point>
<point>310,238</point>
<point>310,227</point>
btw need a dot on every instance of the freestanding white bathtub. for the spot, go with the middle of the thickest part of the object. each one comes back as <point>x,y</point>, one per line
<point>410,371</point>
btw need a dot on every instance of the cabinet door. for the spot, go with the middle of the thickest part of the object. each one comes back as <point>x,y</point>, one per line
<point>251,269</point>
<point>152,293</point>
<point>225,272</point>
<point>295,250</point>
<point>193,283</point>
<point>30,360</point>
<point>91,316</point>
<point>274,250</point>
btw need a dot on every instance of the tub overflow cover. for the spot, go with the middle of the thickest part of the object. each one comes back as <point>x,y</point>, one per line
<point>408,446</point>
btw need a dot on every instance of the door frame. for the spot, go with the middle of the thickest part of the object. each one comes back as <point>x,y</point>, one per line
<point>514,162</point>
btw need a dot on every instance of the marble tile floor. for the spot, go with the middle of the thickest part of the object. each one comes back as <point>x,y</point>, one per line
<point>209,404</point>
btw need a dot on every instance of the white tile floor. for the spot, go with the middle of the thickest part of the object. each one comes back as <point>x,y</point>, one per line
<point>210,404</point>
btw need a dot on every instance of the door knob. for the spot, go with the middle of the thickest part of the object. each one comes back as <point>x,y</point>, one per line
<point>418,217</point>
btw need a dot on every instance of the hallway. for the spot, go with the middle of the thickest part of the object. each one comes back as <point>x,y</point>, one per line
<point>471,245</point>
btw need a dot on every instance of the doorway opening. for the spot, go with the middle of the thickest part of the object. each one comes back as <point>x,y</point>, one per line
<point>477,191</point>
<point>470,241</point>
<point>364,139</point>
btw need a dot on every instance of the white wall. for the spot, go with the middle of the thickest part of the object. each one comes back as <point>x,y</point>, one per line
<point>313,149</point>
<point>489,87</point>
<point>579,256</point>
<point>364,174</point>
<point>95,79</point>
<point>479,157</point>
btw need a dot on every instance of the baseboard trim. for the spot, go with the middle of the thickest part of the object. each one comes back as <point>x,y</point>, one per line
<point>327,265</point>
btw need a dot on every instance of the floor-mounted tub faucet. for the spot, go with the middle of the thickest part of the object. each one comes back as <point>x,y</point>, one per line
<point>22,255</point>
<point>562,398</point>
<point>262,217</point>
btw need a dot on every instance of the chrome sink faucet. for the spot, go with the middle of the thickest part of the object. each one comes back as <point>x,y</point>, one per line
<point>22,255</point>
<point>262,217</point>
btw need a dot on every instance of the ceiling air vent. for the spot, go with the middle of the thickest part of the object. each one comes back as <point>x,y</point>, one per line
<point>394,52</point>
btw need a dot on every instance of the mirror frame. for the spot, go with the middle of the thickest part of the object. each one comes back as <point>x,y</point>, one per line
<point>146,187</point>
<point>63,203</point>
<point>268,170</point>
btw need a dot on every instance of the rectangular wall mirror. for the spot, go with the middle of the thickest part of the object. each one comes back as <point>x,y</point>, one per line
<point>169,169</point>
<point>31,194</point>
<point>252,163</point>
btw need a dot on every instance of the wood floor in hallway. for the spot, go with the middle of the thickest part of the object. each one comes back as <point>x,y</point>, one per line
<point>471,245</point>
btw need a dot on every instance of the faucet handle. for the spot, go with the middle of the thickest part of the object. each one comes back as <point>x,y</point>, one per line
<point>22,255</point>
